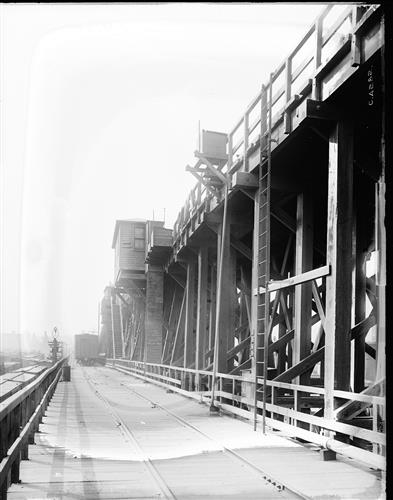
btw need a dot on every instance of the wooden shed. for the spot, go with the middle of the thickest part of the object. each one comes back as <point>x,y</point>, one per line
<point>129,243</point>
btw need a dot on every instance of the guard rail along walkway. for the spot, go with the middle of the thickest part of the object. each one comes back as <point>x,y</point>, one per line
<point>20,416</point>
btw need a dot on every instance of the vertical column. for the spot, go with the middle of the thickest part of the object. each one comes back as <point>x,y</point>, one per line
<point>122,333</point>
<point>339,256</point>
<point>359,306</point>
<point>380,246</point>
<point>212,300</point>
<point>303,293</point>
<point>201,323</point>
<point>225,314</point>
<point>230,298</point>
<point>189,337</point>
<point>154,314</point>
<point>113,329</point>
<point>139,329</point>
<point>381,296</point>
<point>282,330</point>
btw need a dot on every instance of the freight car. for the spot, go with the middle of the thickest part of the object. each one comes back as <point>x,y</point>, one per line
<point>86,349</point>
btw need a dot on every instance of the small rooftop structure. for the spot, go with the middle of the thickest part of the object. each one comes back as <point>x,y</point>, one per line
<point>136,242</point>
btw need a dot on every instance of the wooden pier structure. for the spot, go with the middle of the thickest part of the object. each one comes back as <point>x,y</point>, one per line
<point>266,301</point>
<point>268,296</point>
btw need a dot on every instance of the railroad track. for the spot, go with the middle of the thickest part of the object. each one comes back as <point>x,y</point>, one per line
<point>166,491</point>
<point>129,436</point>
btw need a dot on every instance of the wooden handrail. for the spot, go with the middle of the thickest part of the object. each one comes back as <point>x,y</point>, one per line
<point>23,412</point>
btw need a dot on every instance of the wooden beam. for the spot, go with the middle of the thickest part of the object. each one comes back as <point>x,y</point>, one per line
<point>214,170</point>
<point>202,180</point>
<point>235,243</point>
<point>285,219</point>
<point>299,279</point>
<point>303,293</point>
<point>201,322</point>
<point>380,246</point>
<point>189,338</point>
<point>281,342</point>
<point>172,321</point>
<point>339,256</point>
<point>244,366</point>
<point>212,307</point>
<point>370,350</point>
<point>178,279</point>
<point>282,331</point>
<point>314,358</point>
<point>248,192</point>
<point>241,345</point>
<point>289,222</point>
<point>351,409</point>
<point>246,292</point>
<point>318,303</point>
<point>359,310</point>
<point>241,248</point>
<point>121,298</point>
<point>225,319</point>
<point>179,332</point>
<point>285,312</point>
<point>245,180</point>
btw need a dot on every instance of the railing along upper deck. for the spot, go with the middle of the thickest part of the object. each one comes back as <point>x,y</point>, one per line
<point>305,73</point>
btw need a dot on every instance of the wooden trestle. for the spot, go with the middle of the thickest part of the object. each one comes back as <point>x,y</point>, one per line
<point>280,249</point>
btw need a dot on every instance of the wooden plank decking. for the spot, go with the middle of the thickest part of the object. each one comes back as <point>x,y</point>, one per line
<point>114,444</point>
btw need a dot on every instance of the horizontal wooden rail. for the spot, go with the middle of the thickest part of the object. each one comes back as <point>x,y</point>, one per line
<point>297,280</point>
<point>20,416</point>
<point>166,376</point>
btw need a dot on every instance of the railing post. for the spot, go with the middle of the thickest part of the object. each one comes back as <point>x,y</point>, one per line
<point>355,42</point>
<point>288,87</point>
<point>316,91</point>
<point>230,155</point>
<point>25,452</point>
<point>245,160</point>
<point>15,470</point>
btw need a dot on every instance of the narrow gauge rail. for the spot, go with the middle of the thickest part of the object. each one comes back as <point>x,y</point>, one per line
<point>271,488</point>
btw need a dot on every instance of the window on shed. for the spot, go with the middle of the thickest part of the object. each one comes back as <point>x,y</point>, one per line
<point>139,240</point>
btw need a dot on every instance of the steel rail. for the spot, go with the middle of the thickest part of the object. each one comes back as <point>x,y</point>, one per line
<point>128,434</point>
<point>267,477</point>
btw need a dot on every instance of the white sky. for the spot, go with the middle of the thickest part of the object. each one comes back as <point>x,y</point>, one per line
<point>100,110</point>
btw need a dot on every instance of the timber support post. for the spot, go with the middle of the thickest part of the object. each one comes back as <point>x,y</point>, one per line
<point>339,257</point>
<point>201,321</point>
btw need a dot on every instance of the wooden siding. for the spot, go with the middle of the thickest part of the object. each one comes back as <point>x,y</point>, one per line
<point>162,237</point>
<point>127,257</point>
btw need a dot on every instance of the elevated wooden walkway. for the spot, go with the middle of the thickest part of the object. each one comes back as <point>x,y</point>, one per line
<point>108,435</point>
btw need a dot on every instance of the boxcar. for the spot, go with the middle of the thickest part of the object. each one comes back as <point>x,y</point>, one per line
<point>86,349</point>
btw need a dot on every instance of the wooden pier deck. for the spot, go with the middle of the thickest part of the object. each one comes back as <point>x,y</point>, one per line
<point>108,435</point>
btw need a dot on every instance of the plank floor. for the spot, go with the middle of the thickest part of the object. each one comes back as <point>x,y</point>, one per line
<point>100,440</point>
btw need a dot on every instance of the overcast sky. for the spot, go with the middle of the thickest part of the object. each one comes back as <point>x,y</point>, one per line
<point>100,111</point>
